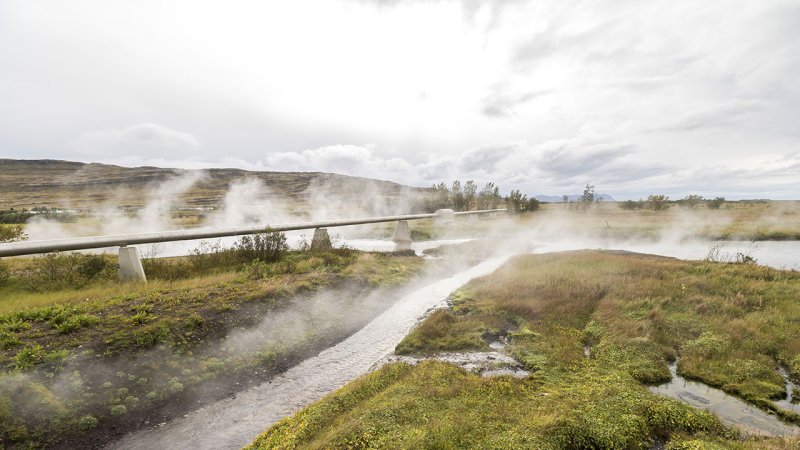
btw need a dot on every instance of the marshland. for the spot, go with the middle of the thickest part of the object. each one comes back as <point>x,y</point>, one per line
<point>582,331</point>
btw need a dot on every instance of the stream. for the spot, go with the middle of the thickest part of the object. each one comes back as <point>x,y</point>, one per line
<point>235,422</point>
<point>730,409</point>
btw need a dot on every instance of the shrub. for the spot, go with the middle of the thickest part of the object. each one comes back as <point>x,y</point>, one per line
<point>631,204</point>
<point>92,266</point>
<point>131,401</point>
<point>690,201</point>
<point>267,247</point>
<point>118,410</point>
<point>8,340</point>
<point>12,233</point>
<point>56,271</point>
<point>174,386</point>
<point>257,270</point>
<point>165,269</point>
<point>657,202</point>
<point>87,423</point>
<point>715,203</point>
<point>208,256</point>
<point>73,323</point>
<point>28,357</point>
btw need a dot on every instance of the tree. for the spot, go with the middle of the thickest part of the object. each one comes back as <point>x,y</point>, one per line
<point>442,196</point>
<point>489,196</point>
<point>458,196</point>
<point>518,203</point>
<point>514,202</point>
<point>588,196</point>
<point>470,190</point>
<point>495,198</point>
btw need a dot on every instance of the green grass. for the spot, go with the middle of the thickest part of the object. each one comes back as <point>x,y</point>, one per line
<point>57,345</point>
<point>731,324</point>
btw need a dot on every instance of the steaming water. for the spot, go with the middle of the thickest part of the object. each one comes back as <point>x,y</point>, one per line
<point>778,254</point>
<point>182,248</point>
<point>234,422</point>
<point>788,402</point>
<point>729,409</point>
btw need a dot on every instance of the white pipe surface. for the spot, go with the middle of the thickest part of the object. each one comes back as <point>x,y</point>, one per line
<point>91,242</point>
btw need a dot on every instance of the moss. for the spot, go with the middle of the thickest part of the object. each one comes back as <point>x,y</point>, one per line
<point>727,322</point>
<point>444,331</point>
<point>434,403</point>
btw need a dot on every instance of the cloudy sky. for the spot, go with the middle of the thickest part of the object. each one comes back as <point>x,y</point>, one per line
<point>635,97</point>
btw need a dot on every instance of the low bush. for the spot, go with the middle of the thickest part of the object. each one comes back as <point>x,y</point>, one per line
<point>55,271</point>
<point>266,247</point>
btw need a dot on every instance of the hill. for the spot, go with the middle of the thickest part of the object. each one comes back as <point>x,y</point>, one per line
<point>54,183</point>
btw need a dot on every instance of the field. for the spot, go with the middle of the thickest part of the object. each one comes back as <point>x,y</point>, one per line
<point>731,325</point>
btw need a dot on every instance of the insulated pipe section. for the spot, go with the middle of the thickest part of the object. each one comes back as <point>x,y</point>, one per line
<point>86,243</point>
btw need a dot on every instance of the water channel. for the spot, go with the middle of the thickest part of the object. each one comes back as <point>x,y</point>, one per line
<point>234,422</point>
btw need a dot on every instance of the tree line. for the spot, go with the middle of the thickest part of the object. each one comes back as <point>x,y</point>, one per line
<point>659,202</point>
<point>468,197</point>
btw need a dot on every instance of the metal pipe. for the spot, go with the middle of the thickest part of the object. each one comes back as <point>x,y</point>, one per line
<point>121,240</point>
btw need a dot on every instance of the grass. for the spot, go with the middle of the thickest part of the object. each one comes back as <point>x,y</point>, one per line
<point>100,354</point>
<point>732,325</point>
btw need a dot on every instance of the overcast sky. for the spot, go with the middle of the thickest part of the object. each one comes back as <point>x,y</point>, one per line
<point>635,97</point>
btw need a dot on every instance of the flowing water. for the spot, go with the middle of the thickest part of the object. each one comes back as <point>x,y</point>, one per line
<point>730,409</point>
<point>789,403</point>
<point>293,238</point>
<point>777,254</point>
<point>234,422</point>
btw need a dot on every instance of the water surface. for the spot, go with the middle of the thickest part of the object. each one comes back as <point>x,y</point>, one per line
<point>730,409</point>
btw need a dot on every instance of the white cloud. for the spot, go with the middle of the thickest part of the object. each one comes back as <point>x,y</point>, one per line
<point>538,95</point>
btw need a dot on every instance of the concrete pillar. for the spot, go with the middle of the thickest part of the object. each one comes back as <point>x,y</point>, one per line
<point>402,236</point>
<point>321,241</point>
<point>473,219</point>
<point>130,266</point>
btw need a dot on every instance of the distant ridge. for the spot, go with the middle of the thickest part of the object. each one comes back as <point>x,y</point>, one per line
<point>572,198</point>
<point>55,183</point>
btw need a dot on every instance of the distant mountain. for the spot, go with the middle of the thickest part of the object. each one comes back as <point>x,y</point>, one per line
<point>53,183</point>
<point>571,198</point>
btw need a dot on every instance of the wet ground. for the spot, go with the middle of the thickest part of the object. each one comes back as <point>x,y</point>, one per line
<point>486,364</point>
<point>730,409</point>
